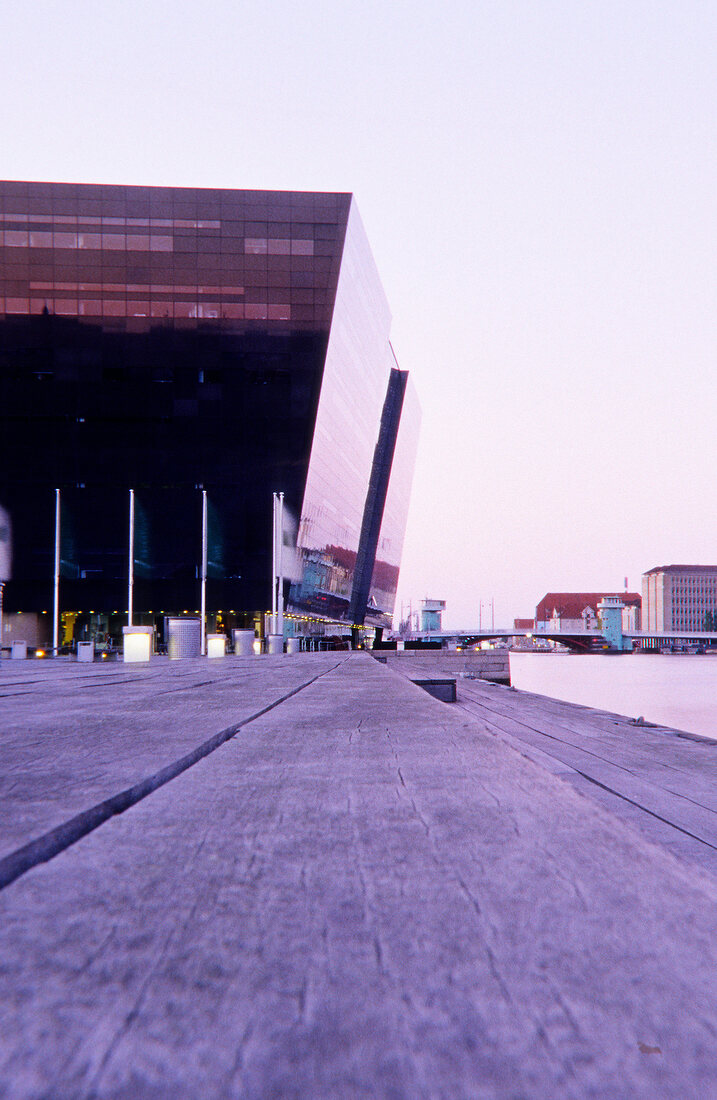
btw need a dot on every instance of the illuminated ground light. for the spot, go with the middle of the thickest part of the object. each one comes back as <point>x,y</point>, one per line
<point>216,645</point>
<point>137,643</point>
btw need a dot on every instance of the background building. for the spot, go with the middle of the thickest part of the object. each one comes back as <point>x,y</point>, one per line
<point>680,597</point>
<point>170,340</point>
<point>577,611</point>
<point>432,614</point>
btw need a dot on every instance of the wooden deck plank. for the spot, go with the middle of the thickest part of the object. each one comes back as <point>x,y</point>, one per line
<point>366,893</point>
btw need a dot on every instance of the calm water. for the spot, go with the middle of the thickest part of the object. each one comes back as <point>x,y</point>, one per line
<point>672,690</point>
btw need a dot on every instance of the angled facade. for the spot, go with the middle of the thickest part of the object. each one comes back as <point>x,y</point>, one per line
<point>172,340</point>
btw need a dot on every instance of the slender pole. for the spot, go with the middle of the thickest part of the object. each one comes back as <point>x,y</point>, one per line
<point>56,598</point>
<point>130,574</point>
<point>272,625</point>
<point>204,571</point>
<point>279,627</point>
<point>2,586</point>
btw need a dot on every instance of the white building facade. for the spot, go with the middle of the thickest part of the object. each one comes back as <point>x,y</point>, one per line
<point>679,597</point>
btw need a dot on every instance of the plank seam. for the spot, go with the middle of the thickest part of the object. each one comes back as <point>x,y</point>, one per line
<point>57,840</point>
<point>519,747</point>
<point>652,813</point>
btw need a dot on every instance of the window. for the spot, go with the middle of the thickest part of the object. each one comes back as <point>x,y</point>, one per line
<point>115,241</point>
<point>279,312</point>
<point>16,238</point>
<point>302,248</point>
<point>65,240</point>
<point>137,307</point>
<point>112,308</point>
<point>66,306</point>
<point>161,243</point>
<point>89,307</point>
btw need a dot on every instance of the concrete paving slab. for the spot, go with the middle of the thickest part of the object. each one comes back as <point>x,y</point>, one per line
<point>362,894</point>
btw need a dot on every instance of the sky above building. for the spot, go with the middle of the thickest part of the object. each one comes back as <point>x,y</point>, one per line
<point>538,182</point>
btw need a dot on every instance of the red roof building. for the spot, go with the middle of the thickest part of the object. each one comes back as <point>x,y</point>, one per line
<point>579,610</point>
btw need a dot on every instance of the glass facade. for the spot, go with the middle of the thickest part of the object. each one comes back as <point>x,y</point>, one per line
<point>384,581</point>
<point>171,340</point>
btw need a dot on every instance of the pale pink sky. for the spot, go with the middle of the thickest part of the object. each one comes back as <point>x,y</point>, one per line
<point>538,181</point>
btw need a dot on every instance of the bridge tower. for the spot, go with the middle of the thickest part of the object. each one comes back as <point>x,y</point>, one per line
<point>610,609</point>
<point>431,611</point>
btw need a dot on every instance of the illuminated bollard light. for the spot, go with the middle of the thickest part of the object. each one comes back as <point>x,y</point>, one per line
<point>137,644</point>
<point>274,644</point>
<point>243,643</point>
<point>216,645</point>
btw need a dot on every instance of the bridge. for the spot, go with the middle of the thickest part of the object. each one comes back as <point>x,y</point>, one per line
<point>580,641</point>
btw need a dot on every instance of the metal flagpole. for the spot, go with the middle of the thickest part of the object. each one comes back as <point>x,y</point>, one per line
<point>56,599</point>
<point>130,572</point>
<point>279,624</point>
<point>272,625</point>
<point>204,571</point>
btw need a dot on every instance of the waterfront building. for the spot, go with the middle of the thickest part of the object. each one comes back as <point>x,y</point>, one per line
<point>172,341</point>
<point>680,597</point>
<point>572,612</point>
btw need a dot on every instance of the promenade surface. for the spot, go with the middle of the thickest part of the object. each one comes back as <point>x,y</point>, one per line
<point>356,891</point>
<point>662,781</point>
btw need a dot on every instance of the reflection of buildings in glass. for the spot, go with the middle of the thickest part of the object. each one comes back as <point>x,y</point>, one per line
<point>172,339</point>
<point>5,545</point>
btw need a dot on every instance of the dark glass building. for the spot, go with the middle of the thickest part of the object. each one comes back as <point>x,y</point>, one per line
<point>172,340</point>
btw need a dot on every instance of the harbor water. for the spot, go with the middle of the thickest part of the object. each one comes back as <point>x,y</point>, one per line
<point>676,690</point>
